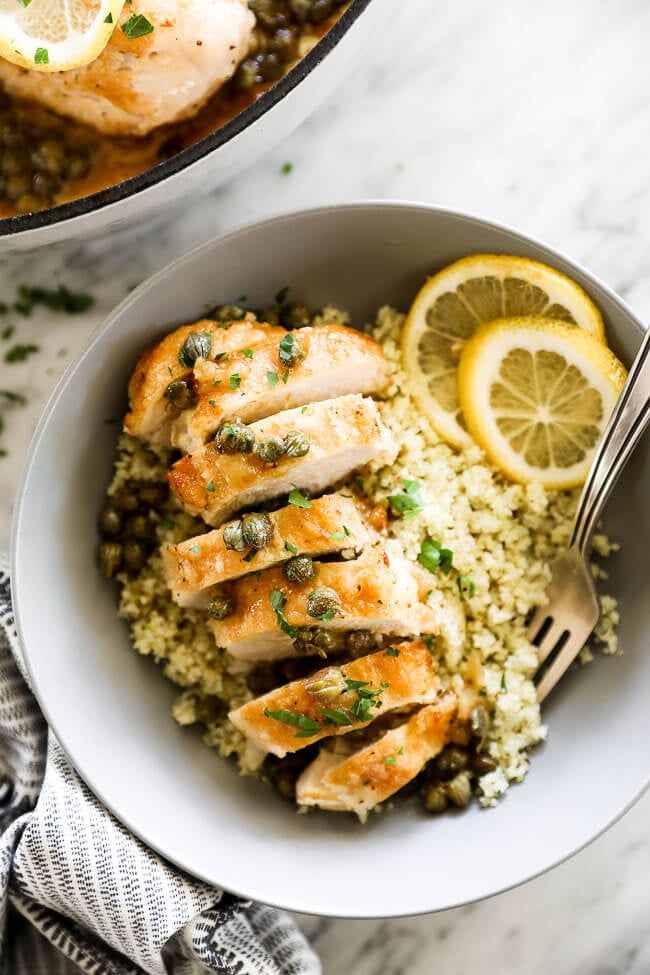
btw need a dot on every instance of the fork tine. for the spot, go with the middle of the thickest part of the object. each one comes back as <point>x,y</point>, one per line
<point>560,664</point>
<point>536,623</point>
<point>551,639</point>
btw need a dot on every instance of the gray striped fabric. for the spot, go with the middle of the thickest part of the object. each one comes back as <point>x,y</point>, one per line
<point>78,892</point>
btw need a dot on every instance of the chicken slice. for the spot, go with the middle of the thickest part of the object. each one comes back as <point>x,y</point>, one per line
<point>139,83</point>
<point>195,567</point>
<point>337,360</point>
<point>151,413</point>
<point>402,678</point>
<point>344,433</point>
<point>357,782</point>
<point>377,592</point>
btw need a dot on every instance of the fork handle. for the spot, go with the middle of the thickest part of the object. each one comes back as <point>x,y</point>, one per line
<point>629,419</point>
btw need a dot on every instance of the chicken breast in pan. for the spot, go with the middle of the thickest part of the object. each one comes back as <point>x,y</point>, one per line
<point>139,83</point>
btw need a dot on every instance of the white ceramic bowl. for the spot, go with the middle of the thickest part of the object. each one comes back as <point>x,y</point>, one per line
<point>215,159</point>
<point>111,709</point>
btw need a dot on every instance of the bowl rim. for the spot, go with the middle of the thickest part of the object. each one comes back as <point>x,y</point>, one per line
<point>82,206</point>
<point>97,335</point>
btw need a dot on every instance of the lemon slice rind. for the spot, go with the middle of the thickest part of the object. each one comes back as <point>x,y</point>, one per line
<point>508,367</point>
<point>430,353</point>
<point>56,35</point>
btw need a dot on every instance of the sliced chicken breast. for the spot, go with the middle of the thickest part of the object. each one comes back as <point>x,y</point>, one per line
<point>151,414</point>
<point>337,360</point>
<point>139,83</point>
<point>344,433</point>
<point>377,592</point>
<point>301,713</point>
<point>357,782</point>
<point>195,567</point>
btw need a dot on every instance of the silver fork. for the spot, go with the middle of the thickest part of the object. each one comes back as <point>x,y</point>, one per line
<point>561,628</point>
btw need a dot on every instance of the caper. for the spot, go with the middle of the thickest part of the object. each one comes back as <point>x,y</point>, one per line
<point>326,685</point>
<point>245,77</point>
<point>233,537</point>
<point>296,443</point>
<point>49,155</point>
<point>479,722</point>
<point>235,438</point>
<point>153,493</point>
<point>126,499</point>
<point>12,135</point>
<point>299,569</point>
<point>197,345</point>
<point>269,315</point>
<point>323,602</point>
<point>141,528</point>
<point>320,11</point>
<point>270,67</point>
<point>226,313</point>
<point>45,184</point>
<point>300,8</point>
<point>285,785</point>
<point>17,186</point>
<point>482,764</point>
<point>257,530</point>
<point>110,521</point>
<point>360,641</point>
<point>268,13</point>
<point>180,394</point>
<point>110,558</point>
<point>291,350</point>
<point>220,607</point>
<point>77,165</point>
<point>314,642</point>
<point>285,45</point>
<point>297,315</point>
<point>450,762</point>
<point>30,202</point>
<point>459,789</point>
<point>434,798</point>
<point>135,556</point>
<point>270,449</point>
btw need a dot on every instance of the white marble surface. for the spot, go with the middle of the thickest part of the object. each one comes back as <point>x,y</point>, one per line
<point>535,115</point>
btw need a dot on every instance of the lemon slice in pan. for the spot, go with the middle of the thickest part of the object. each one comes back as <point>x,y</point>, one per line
<point>536,395</point>
<point>56,35</point>
<point>456,301</point>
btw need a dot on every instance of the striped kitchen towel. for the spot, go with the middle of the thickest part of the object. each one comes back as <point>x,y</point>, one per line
<point>78,892</point>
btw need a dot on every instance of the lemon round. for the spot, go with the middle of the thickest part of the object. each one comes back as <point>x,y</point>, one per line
<point>56,35</point>
<point>536,395</point>
<point>456,301</point>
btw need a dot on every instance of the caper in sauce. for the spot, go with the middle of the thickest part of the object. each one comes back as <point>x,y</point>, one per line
<point>270,449</point>
<point>296,443</point>
<point>180,394</point>
<point>360,641</point>
<point>235,438</point>
<point>291,350</point>
<point>257,530</point>
<point>233,537</point>
<point>326,685</point>
<point>434,798</point>
<point>314,641</point>
<point>299,569</point>
<point>323,602</point>
<point>135,556</point>
<point>220,607</point>
<point>197,345</point>
<point>297,315</point>
<point>459,789</point>
<point>110,558</point>
<point>450,762</point>
<point>110,521</point>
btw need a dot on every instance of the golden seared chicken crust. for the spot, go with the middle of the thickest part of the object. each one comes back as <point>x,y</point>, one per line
<point>344,433</point>
<point>337,360</point>
<point>377,592</point>
<point>151,415</point>
<point>404,677</point>
<point>194,567</point>
<point>139,83</point>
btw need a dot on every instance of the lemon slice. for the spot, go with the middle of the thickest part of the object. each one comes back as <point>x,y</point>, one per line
<point>536,395</point>
<point>56,35</point>
<point>451,306</point>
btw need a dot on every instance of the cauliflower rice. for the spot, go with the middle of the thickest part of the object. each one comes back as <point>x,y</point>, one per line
<point>502,535</point>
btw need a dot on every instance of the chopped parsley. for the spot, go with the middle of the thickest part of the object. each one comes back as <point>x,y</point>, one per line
<point>390,760</point>
<point>137,26</point>
<point>285,376</point>
<point>286,349</point>
<point>428,640</point>
<point>7,332</point>
<point>59,299</point>
<point>210,486</point>
<point>41,56</point>
<point>249,556</point>
<point>340,717</point>
<point>195,549</point>
<point>221,355</point>
<point>298,498</point>
<point>217,382</point>
<point>108,19</point>
<point>9,396</point>
<point>291,548</point>
<point>235,380</point>
<point>212,402</point>
<point>466,587</point>
<point>248,353</point>
<point>304,409</point>
<point>337,536</point>
<point>504,686</point>
<point>20,353</point>
<point>392,652</point>
<point>170,370</point>
<point>367,697</point>
<point>287,168</point>
<point>272,378</point>
<point>278,601</point>
<point>433,556</point>
<point>308,727</point>
<point>167,523</point>
<point>409,504</point>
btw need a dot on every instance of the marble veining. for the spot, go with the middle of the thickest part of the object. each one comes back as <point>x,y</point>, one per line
<point>537,116</point>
